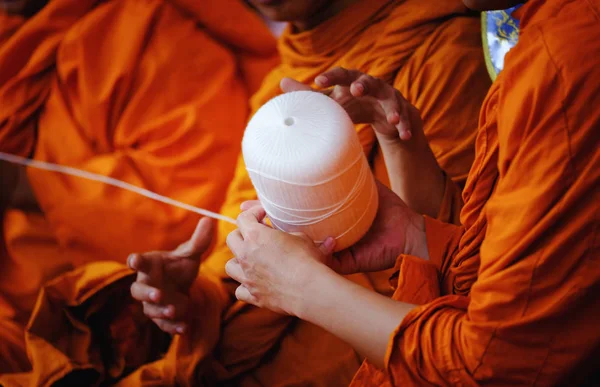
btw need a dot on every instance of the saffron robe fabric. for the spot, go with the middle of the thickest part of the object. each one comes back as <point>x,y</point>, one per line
<point>432,53</point>
<point>154,93</point>
<point>511,296</point>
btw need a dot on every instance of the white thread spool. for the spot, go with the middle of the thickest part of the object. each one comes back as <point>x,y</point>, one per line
<point>308,168</point>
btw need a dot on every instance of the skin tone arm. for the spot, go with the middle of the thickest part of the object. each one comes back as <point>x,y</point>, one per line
<point>378,250</point>
<point>286,273</point>
<point>362,318</point>
<point>163,288</point>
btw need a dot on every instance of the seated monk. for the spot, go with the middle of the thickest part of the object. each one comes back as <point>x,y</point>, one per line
<point>432,52</point>
<point>153,93</point>
<point>510,297</point>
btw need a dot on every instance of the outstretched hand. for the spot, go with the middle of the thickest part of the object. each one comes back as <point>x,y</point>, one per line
<point>414,173</point>
<point>367,100</point>
<point>164,279</point>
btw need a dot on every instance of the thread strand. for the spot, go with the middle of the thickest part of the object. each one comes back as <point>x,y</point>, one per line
<point>43,165</point>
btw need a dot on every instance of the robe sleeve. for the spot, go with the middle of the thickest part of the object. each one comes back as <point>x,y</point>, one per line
<point>531,316</point>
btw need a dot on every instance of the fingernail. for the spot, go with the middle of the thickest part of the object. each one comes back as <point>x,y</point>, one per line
<point>168,311</point>
<point>329,242</point>
<point>153,295</point>
<point>180,329</point>
<point>321,80</point>
<point>130,261</point>
<point>359,87</point>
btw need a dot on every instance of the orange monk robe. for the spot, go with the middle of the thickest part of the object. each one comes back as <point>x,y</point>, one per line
<point>431,51</point>
<point>154,93</point>
<point>517,299</point>
<point>8,25</point>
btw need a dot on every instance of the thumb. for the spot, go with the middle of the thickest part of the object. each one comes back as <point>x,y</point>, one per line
<point>248,204</point>
<point>288,85</point>
<point>327,246</point>
<point>198,243</point>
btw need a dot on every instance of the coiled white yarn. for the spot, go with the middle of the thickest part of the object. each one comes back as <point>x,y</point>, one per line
<point>109,181</point>
<point>308,168</point>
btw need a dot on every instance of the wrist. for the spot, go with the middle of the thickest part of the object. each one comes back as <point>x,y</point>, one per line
<point>388,140</point>
<point>317,293</point>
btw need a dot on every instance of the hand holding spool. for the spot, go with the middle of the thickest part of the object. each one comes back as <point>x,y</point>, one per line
<point>274,268</point>
<point>308,168</point>
<point>414,173</point>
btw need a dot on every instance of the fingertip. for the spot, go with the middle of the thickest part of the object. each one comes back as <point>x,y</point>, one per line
<point>357,89</point>
<point>154,295</point>
<point>181,328</point>
<point>328,245</point>
<point>169,311</point>
<point>394,118</point>
<point>283,83</point>
<point>132,261</point>
<point>132,291</point>
<point>405,135</point>
<point>204,222</point>
<point>200,240</point>
<point>289,84</point>
<point>321,81</point>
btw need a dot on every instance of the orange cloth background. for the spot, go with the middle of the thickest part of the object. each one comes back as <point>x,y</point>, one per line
<point>432,53</point>
<point>154,93</point>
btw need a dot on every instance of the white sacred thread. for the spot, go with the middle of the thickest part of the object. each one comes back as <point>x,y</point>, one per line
<point>308,168</point>
<point>332,209</point>
<point>43,165</point>
<point>372,197</point>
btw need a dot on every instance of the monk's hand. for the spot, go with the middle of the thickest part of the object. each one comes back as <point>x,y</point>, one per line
<point>367,100</point>
<point>164,279</point>
<point>396,230</point>
<point>271,266</point>
<point>414,172</point>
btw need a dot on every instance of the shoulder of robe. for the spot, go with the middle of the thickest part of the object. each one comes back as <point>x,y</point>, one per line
<point>557,55</point>
<point>570,38</point>
<point>545,93</point>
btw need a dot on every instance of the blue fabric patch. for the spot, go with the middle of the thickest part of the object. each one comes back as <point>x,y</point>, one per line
<point>500,36</point>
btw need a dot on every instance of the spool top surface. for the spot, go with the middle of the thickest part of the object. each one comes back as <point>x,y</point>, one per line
<point>302,137</point>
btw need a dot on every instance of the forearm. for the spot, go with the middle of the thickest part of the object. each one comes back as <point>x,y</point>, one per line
<point>414,173</point>
<point>362,318</point>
